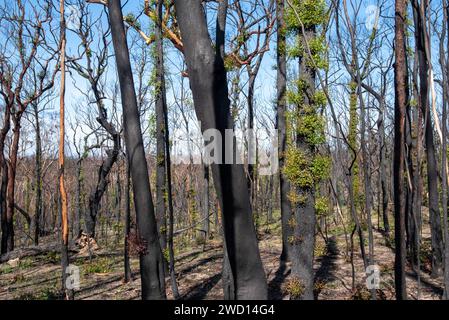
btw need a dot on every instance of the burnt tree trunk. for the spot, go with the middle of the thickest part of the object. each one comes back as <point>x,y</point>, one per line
<point>421,36</point>
<point>4,179</point>
<point>101,186</point>
<point>151,259</point>
<point>127,265</point>
<point>208,81</point>
<point>206,209</point>
<point>401,102</point>
<point>12,169</point>
<point>38,177</point>
<point>383,171</point>
<point>281,84</point>
<point>161,106</point>
<point>304,214</point>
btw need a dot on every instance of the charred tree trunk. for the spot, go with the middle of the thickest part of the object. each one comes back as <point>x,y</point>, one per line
<point>151,259</point>
<point>79,186</point>
<point>421,35</point>
<point>251,145</point>
<point>10,192</point>
<point>38,177</point>
<point>206,209</point>
<point>208,82</point>
<point>383,171</point>
<point>445,66</point>
<point>4,179</point>
<point>127,265</point>
<point>401,102</point>
<point>304,214</point>
<point>163,149</point>
<point>102,184</point>
<point>286,210</point>
<point>161,106</point>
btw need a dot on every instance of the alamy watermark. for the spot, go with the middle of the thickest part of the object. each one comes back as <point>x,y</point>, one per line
<point>234,147</point>
<point>372,277</point>
<point>372,21</point>
<point>72,281</point>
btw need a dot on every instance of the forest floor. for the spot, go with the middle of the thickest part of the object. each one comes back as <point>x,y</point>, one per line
<point>199,273</point>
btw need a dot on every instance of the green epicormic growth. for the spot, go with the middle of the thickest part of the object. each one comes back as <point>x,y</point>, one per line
<point>303,16</point>
<point>304,166</point>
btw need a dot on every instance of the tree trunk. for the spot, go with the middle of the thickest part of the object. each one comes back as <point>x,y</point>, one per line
<point>206,220</point>
<point>445,66</point>
<point>304,214</point>
<point>401,102</point>
<point>10,193</point>
<point>286,210</point>
<point>4,179</point>
<point>38,178</point>
<point>251,145</point>
<point>151,259</point>
<point>383,172</point>
<point>79,186</point>
<point>127,265</point>
<point>68,291</point>
<point>432,169</point>
<point>3,189</point>
<point>208,82</point>
<point>161,105</point>
<point>102,184</point>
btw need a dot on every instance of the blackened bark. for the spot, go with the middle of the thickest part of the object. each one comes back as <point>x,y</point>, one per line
<point>366,168</point>
<point>4,183</point>
<point>4,179</point>
<point>227,278</point>
<point>383,171</point>
<point>445,66</point>
<point>10,191</point>
<point>161,105</point>
<point>165,139</point>
<point>251,143</point>
<point>102,184</point>
<point>151,259</point>
<point>421,37</point>
<point>281,84</point>
<point>38,176</point>
<point>118,196</point>
<point>208,82</point>
<point>415,122</point>
<point>206,209</point>
<point>304,214</point>
<point>401,102</point>
<point>127,265</point>
<point>79,182</point>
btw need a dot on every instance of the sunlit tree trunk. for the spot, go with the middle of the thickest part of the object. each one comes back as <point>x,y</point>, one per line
<point>68,292</point>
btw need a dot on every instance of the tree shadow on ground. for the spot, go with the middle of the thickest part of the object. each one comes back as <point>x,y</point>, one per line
<point>275,285</point>
<point>427,284</point>
<point>89,291</point>
<point>195,253</point>
<point>200,291</point>
<point>199,263</point>
<point>328,265</point>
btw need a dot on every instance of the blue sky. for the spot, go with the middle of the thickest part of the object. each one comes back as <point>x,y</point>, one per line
<point>266,81</point>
